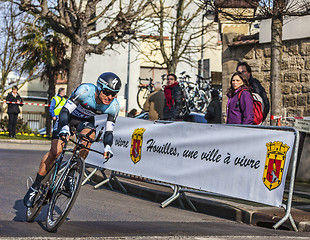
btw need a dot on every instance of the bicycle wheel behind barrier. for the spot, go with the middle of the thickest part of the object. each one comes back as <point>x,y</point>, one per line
<point>142,96</point>
<point>65,194</point>
<point>201,101</point>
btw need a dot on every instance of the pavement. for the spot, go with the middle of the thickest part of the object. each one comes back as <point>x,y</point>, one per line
<point>224,207</point>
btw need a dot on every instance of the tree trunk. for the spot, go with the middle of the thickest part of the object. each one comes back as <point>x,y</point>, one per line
<point>51,93</point>
<point>172,67</point>
<point>275,74</point>
<point>76,68</point>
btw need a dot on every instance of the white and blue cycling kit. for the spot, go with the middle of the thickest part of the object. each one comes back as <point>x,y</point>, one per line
<point>80,109</point>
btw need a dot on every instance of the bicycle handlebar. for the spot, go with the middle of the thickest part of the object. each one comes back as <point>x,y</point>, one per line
<point>82,146</point>
<point>86,137</point>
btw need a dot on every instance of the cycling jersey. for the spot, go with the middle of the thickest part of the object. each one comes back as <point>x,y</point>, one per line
<point>82,103</point>
<point>82,106</point>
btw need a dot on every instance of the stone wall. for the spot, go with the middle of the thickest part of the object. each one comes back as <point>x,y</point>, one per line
<point>295,71</point>
<point>295,74</point>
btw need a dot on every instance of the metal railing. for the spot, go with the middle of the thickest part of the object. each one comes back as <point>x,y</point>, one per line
<point>35,120</point>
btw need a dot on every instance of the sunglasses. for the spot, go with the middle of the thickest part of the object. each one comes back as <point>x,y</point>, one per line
<point>108,92</point>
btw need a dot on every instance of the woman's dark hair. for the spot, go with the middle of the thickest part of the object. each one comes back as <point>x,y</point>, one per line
<point>231,90</point>
<point>15,87</point>
<point>173,75</point>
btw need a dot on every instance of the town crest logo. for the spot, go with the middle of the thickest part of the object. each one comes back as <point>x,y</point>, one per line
<point>136,145</point>
<point>274,165</point>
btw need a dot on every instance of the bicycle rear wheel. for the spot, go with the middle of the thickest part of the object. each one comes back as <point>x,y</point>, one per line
<point>142,96</point>
<point>62,198</point>
<point>39,202</point>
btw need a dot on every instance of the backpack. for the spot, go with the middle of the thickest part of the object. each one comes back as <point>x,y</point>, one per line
<point>258,88</point>
<point>258,106</point>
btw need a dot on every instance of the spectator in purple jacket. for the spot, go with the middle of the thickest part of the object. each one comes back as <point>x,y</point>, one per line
<point>239,111</point>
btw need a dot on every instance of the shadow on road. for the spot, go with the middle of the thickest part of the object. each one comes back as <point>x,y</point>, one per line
<point>20,211</point>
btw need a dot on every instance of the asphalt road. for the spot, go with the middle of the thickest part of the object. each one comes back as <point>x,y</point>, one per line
<point>106,213</point>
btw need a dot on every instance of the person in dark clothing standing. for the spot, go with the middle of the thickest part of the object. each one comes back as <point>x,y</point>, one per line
<point>173,98</point>
<point>214,110</point>
<point>255,85</point>
<point>13,110</point>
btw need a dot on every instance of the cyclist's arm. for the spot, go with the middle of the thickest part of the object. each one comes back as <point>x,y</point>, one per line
<point>63,121</point>
<point>67,109</point>
<point>108,136</point>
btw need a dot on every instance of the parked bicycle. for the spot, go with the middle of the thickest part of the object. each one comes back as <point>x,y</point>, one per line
<point>61,185</point>
<point>195,98</point>
<point>146,87</point>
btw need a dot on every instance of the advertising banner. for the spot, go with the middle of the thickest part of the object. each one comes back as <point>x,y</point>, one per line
<point>241,162</point>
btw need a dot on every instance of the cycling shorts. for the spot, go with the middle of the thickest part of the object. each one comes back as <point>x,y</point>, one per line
<point>78,123</point>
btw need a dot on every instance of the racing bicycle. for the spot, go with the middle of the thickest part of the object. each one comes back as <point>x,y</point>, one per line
<point>60,187</point>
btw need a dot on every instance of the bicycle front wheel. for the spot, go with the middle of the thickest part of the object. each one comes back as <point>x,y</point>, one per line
<point>65,194</point>
<point>142,96</point>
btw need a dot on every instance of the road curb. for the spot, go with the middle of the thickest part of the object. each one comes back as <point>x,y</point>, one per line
<point>263,217</point>
<point>25,141</point>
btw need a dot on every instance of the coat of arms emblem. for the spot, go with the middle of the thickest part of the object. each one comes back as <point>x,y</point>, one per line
<point>274,165</point>
<point>136,144</point>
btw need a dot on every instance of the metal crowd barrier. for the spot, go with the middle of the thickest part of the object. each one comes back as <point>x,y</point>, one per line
<point>179,191</point>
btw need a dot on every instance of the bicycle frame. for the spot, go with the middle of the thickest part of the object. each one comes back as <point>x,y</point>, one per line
<point>75,153</point>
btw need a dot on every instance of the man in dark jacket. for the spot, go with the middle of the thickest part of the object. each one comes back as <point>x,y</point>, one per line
<point>214,110</point>
<point>173,98</point>
<point>256,86</point>
<point>13,110</point>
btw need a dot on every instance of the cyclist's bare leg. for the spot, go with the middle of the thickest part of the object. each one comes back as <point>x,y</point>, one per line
<point>49,158</point>
<point>46,164</point>
<point>84,152</point>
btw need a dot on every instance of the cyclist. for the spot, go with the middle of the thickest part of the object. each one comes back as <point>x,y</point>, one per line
<point>86,101</point>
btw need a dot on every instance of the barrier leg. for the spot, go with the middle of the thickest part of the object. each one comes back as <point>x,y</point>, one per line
<point>290,217</point>
<point>189,201</point>
<point>174,196</point>
<point>105,176</point>
<point>106,180</point>
<point>119,183</point>
<point>89,176</point>
<point>113,175</point>
<point>293,223</point>
<point>291,188</point>
<point>181,203</point>
<point>102,183</point>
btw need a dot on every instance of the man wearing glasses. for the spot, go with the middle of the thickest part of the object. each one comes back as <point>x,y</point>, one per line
<point>86,101</point>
